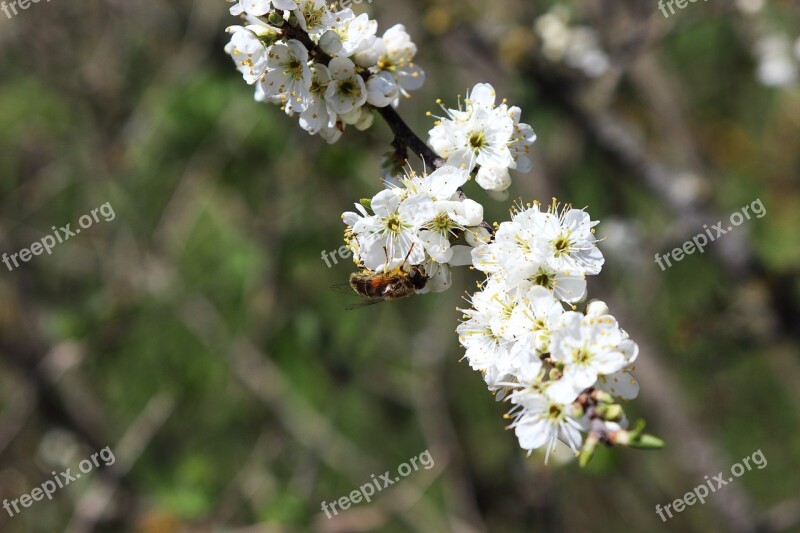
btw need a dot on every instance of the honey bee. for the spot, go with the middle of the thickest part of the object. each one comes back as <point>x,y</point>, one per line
<point>395,284</point>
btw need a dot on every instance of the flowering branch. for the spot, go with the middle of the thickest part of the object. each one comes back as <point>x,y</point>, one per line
<point>404,136</point>
<point>561,370</point>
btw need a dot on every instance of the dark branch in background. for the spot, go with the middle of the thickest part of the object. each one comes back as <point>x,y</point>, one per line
<point>26,359</point>
<point>404,137</point>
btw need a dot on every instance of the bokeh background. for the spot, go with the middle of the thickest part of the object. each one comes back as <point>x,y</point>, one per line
<point>196,334</point>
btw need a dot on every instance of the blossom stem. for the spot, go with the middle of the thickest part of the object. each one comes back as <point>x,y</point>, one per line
<point>295,32</point>
<point>404,137</point>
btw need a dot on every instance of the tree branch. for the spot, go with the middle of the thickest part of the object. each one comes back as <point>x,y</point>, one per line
<point>404,137</point>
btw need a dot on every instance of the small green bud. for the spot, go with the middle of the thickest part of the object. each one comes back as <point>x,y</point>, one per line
<point>366,202</point>
<point>275,18</point>
<point>637,430</point>
<point>636,439</point>
<point>647,442</point>
<point>602,397</point>
<point>587,452</point>
<point>610,412</point>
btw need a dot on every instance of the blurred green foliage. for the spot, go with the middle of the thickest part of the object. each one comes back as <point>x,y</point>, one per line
<point>223,209</point>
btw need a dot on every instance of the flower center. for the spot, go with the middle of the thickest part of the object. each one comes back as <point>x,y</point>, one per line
<point>581,355</point>
<point>477,140</point>
<point>561,244</point>
<point>393,223</point>
<point>295,66</point>
<point>543,279</point>
<point>317,87</point>
<point>348,87</point>
<point>313,17</point>
<point>554,412</point>
<point>385,63</point>
<point>441,224</point>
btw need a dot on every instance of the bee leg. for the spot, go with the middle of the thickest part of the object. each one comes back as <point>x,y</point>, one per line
<point>407,256</point>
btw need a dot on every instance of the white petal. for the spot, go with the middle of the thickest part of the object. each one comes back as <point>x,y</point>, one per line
<point>385,203</point>
<point>417,209</point>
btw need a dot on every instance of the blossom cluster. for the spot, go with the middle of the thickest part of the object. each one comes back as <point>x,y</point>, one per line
<point>531,349</point>
<point>332,81</point>
<point>486,136</point>
<point>562,370</point>
<point>417,223</point>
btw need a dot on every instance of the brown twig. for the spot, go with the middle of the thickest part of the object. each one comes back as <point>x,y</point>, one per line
<point>404,137</point>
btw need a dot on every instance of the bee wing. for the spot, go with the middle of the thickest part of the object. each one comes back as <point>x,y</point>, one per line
<point>343,288</point>
<point>363,303</point>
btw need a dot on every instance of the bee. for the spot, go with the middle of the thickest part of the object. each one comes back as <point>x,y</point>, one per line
<point>395,284</point>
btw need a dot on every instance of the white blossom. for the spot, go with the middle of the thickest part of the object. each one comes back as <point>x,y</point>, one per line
<point>258,8</point>
<point>346,90</point>
<point>356,32</point>
<point>540,421</point>
<point>289,75</point>
<point>484,135</point>
<point>317,114</point>
<point>249,51</point>
<point>588,347</point>
<point>395,55</point>
<point>310,15</point>
<point>382,89</point>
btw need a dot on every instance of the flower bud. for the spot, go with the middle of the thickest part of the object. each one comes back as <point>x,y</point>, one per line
<point>276,19</point>
<point>587,452</point>
<point>352,116</point>
<point>382,90</point>
<point>368,57</point>
<point>642,441</point>
<point>330,43</point>
<point>494,179</point>
<point>366,120</point>
<point>597,308</point>
<point>333,134</point>
<point>610,412</point>
<point>602,396</point>
<point>477,235</point>
<point>468,212</point>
